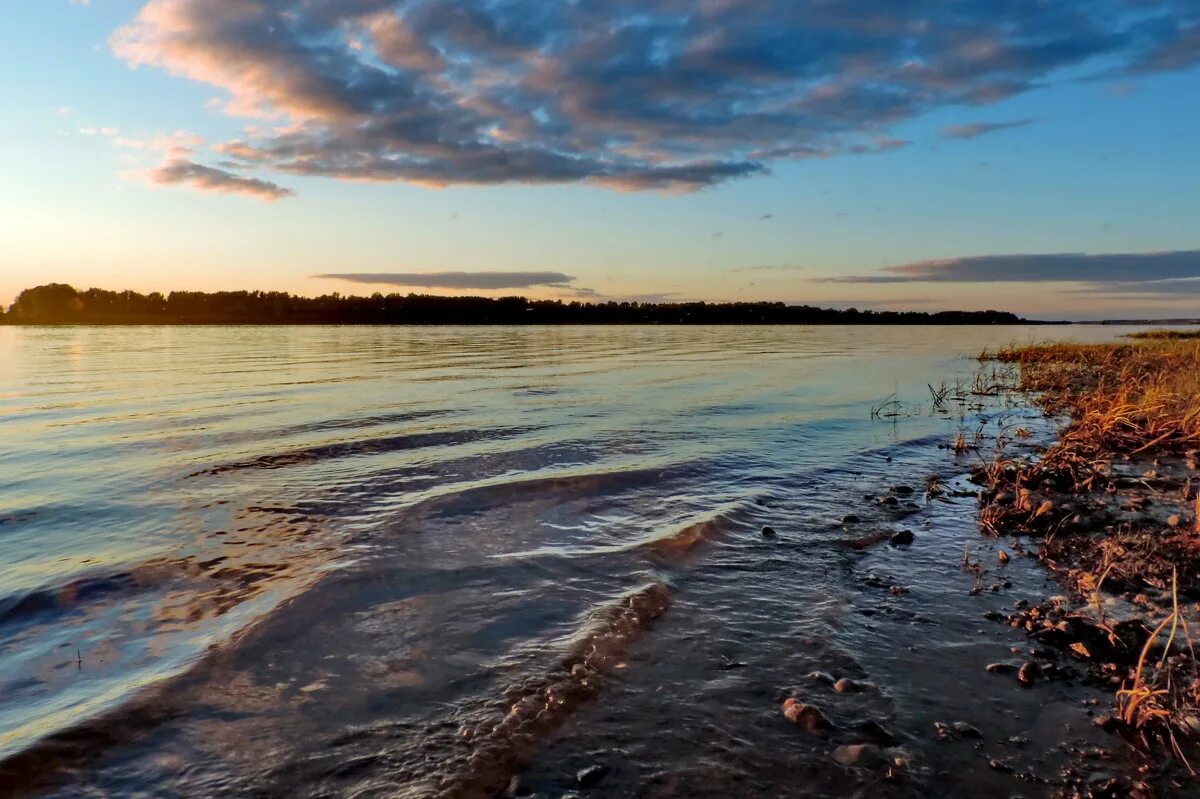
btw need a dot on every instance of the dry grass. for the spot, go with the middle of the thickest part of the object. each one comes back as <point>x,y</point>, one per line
<point>1165,335</point>
<point>1122,398</point>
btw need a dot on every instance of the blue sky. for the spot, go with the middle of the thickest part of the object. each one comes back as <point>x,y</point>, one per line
<point>642,149</point>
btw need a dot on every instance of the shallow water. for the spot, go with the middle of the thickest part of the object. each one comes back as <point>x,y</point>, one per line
<point>331,560</point>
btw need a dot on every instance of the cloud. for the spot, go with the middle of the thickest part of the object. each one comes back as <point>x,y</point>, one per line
<point>181,172</point>
<point>1055,267</point>
<point>768,268</point>
<point>976,129</point>
<point>658,95</point>
<point>456,280</point>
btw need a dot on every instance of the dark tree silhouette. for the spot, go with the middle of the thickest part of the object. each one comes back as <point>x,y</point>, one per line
<point>57,304</point>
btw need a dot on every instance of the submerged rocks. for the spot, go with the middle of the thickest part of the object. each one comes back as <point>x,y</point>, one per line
<point>769,532</point>
<point>822,677</point>
<point>846,686</point>
<point>902,538</point>
<point>850,518</point>
<point>876,733</point>
<point>868,755</point>
<point>807,716</point>
<point>591,775</point>
<point>958,729</point>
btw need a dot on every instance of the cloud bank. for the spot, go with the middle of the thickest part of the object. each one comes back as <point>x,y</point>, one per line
<point>456,280</point>
<point>1129,268</point>
<point>976,129</point>
<point>663,95</point>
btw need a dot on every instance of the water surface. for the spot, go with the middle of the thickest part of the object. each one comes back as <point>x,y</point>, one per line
<point>332,560</point>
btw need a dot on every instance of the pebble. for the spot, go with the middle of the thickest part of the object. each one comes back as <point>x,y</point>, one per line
<point>966,730</point>
<point>807,716</point>
<point>877,732</point>
<point>1174,520</point>
<point>859,755</point>
<point>903,537</point>
<point>1029,673</point>
<point>822,677</point>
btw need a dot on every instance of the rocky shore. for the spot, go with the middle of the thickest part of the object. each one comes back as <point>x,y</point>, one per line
<point>1111,507</point>
<point>1108,509</point>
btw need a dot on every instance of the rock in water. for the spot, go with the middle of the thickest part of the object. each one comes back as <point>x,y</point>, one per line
<point>768,532</point>
<point>807,716</point>
<point>1029,673</point>
<point>966,730</point>
<point>903,537</point>
<point>877,733</point>
<point>859,755</point>
<point>590,775</point>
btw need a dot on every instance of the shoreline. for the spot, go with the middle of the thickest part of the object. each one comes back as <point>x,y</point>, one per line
<point>1111,509</point>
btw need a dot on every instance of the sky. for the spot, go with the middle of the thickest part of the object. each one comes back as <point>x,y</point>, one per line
<point>1035,156</point>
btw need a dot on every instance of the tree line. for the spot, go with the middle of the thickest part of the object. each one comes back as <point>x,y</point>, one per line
<point>60,304</point>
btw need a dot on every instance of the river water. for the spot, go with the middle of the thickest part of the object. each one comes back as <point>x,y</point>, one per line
<point>401,561</point>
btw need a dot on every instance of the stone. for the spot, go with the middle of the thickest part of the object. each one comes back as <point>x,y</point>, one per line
<point>877,733</point>
<point>859,755</point>
<point>966,730</point>
<point>807,716</point>
<point>903,537</point>
<point>1029,673</point>
<point>769,532</point>
<point>850,518</point>
<point>1174,520</point>
<point>846,686</point>
<point>591,775</point>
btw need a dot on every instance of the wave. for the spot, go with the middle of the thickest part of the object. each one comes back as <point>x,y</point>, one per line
<point>370,446</point>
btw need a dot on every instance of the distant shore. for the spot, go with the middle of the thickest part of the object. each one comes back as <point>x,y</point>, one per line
<point>59,304</point>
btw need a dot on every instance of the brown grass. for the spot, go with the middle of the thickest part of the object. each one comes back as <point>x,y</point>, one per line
<point>1124,398</point>
<point>1165,334</point>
